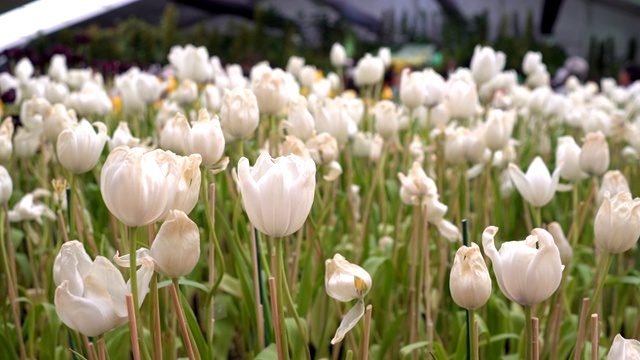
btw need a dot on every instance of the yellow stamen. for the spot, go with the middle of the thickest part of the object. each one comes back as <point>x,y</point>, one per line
<point>359,284</point>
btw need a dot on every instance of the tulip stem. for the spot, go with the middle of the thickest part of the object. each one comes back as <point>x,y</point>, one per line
<point>133,275</point>
<point>536,214</point>
<point>181,320</point>
<point>15,307</point>
<point>276,317</point>
<point>528,335</point>
<point>472,341</point>
<point>133,328</point>
<point>603,270</point>
<point>367,331</point>
<point>279,273</point>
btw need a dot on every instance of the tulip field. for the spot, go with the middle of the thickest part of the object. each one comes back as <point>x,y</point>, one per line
<point>211,211</point>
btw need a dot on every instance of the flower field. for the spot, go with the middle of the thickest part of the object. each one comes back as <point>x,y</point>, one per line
<point>211,211</point>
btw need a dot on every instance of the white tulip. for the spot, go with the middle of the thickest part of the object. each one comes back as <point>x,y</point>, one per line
<point>90,297</point>
<point>277,193</point>
<point>191,63</point>
<point>299,122</point>
<point>486,63</point>
<point>369,70</point>
<point>338,55</point>
<point>613,182</point>
<point>239,114</point>
<point>469,282</point>
<point>344,282</point>
<point>568,153</point>
<point>270,91</point>
<point>122,136</point>
<point>6,186</point>
<point>624,349</point>
<point>30,208</point>
<point>205,137</point>
<point>176,248</point>
<point>537,186</point>
<point>594,154</point>
<point>617,223</point>
<point>525,274</point>
<point>79,147</point>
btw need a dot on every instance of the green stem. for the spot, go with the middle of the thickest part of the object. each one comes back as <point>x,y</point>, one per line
<point>296,317</point>
<point>133,275</point>
<point>528,336</point>
<point>279,271</point>
<point>473,337</point>
<point>603,269</point>
<point>536,214</point>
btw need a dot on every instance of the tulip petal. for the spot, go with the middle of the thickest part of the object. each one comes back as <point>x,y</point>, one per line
<point>250,193</point>
<point>112,279</point>
<point>349,322</point>
<point>90,316</point>
<point>521,182</point>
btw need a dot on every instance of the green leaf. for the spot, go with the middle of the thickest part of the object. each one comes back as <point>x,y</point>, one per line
<point>231,285</point>
<point>406,350</point>
<point>295,338</point>
<point>194,327</point>
<point>269,353</point>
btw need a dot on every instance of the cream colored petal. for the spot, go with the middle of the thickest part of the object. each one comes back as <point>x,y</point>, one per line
<point>349,322</point>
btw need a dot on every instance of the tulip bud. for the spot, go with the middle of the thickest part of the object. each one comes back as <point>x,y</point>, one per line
<point>412,88</point>
<point>176,248</point>
<point>566,252</point>
<point>270,91</point>
<point>594,157</point>
<point>123,136</point>
<point>300,122</point>
<point>568,153</point>
<point>613,182</point>
<point>369,70</point>
<point>470,282</point>
<point>486,63</point>
<point>294,65</point>
<point>436,87</point>
<point>461,99</point>
<point>617,223</point>
<point>624,349</point>
<point>498,128</point>
<point>338,55</point>
<point>79,148</point>
<point>186,93</point>
<point>211,99</point>
<point>24,69</point>
<point>525,274</point>
<point>174,133</point>
<point>239,114</point>
<point>386,117</point>
<point>6,186</point>
<point>58,68</point>
<point>6,144</point>
<point>277,193</point>
<point>333,117</point>
<point>205,138</point>
<point>307,76</point>
<point>344,282</point>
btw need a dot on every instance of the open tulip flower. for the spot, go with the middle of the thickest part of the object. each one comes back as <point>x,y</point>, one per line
<point>277,193</point>
<point>537,186</point>
<point>624,349</point>
<point>90,297</point>
<point>344,282</point>
<point>525,274</point>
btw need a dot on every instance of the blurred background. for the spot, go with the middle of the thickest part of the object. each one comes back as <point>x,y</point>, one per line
<point>113,35</point>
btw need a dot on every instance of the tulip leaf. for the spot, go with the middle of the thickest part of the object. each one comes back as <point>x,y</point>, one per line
<point>7,349</point>
<point>118,343</point>
<point>406,350</point>
<point>295,338</point>
<point>230,285</point>
<point>268,353</point>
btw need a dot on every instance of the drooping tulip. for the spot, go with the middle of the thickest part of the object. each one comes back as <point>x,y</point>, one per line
<point>90,297</point>
<point>344,282</point>
<point>323,148</point>
<point>469,282</point>
<point>624,349</point>
<point>418,189</point>
<point>30,208</point>
<point>277,193</point>
<point>617,223</point>
<point>537,186</point>
<point>79,147</point>
<point>525,274</point>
